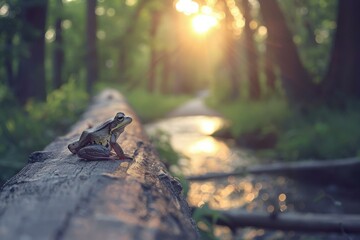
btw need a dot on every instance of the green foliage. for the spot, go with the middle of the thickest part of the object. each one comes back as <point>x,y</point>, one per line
<point>162,142</point>
<point>313,26</point>
<point>24,130</point>
<point>169,156</point>
<point>205,217</point>
<point>323,134</point>
<point>62,106</point>
<point>151,106</point>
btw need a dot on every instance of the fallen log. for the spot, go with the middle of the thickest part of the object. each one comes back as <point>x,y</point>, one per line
<point>59,196</point>
<point>324,171</point>
<point>336,223</point>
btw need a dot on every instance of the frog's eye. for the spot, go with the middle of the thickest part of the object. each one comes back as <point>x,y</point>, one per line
<point>121,119</point>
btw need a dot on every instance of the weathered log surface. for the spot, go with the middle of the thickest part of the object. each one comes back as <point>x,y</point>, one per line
<point>59,196</point>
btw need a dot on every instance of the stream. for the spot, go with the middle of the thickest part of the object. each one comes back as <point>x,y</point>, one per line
<point>191,136</point>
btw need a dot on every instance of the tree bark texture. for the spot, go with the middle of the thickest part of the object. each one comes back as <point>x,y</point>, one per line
<point>31,73</point>
<point>59,196</point>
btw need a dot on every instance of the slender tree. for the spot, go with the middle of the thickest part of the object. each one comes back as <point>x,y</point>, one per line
<point>251,52</point>
<point>296,80</point>
<point>166,70</point>
<point>8,57</point>
<point>31,76</point>
<point>126,39</point>
<point>231,54</point>
<point>270,66</point>
<point>91,51</point>
<point>343,77</point>
<point>155,21</point>
<point>58,62</point>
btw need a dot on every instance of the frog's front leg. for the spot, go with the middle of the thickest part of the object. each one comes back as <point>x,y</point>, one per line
<point>95,152</point>
<point>118,150</point>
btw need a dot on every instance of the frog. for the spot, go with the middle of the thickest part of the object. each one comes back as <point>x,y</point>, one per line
<point>98,142</point>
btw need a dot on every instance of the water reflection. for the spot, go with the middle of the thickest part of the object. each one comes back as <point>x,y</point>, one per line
<point>191,137</point>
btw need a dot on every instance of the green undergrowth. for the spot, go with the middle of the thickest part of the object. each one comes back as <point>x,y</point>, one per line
<point>24,129</point>
<point>152,106</point>
<point>275,130</point>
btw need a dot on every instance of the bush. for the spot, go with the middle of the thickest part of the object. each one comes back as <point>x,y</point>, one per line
<point>322,133</point>
<point>246,116</point>
<point>24,130</point>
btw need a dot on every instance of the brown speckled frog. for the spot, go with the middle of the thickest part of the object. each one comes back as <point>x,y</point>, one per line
<point>96,143</point>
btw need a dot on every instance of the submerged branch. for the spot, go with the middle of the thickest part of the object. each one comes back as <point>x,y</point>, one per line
<point>337,223</point>
<point>303,168</point>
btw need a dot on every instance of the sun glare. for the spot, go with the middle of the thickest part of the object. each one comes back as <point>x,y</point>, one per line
<point>187,7</point>
<point>203,17</point>
<point>202,23</point>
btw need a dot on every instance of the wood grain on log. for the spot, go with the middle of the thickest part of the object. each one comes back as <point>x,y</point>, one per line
<point>59,196</point>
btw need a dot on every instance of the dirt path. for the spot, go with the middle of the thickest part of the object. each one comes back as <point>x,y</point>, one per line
<point>194,107</point>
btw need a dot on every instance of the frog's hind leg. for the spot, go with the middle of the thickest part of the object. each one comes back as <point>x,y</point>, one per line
<point>95,152</point>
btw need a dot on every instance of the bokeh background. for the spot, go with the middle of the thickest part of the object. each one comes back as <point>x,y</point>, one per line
<point>282,75</point>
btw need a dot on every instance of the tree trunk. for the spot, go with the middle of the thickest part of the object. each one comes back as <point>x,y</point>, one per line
<point>155,20</point>
<point>58,49</point>
<point>31,75</point>
<point>91,51</point>
<point>252,56</point>
<point>343,77</point>
<point>231,56</point>
<point>126,40</point>
<point>269,67</point>
<point>166,69</point>
<point>8,58</point>
<point>296,80</point>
